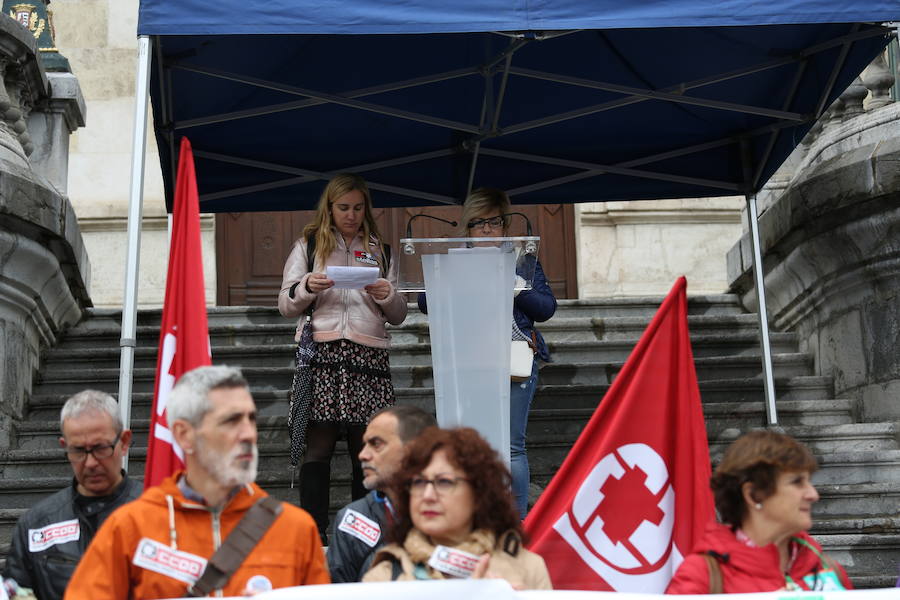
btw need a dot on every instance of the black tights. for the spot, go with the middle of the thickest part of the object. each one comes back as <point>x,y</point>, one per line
<point>315,474</point>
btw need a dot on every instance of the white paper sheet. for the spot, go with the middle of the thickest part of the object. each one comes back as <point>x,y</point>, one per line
<point>352,278</point>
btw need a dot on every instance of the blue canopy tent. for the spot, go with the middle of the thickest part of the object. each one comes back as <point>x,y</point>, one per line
<point>551,100</point>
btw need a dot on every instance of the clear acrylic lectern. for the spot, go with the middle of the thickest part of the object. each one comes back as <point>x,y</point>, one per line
<point>469,284</point>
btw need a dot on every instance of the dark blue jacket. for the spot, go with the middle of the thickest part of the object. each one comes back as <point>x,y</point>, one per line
<point>536,304</point>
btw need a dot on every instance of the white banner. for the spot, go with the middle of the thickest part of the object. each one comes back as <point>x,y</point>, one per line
<point>496,589</point>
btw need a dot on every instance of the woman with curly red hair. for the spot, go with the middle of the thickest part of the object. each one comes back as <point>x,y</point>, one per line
<point>456,516</point>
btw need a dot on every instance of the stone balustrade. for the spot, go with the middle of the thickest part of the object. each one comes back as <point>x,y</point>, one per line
<point>830,238</point>
<point>44,268</point>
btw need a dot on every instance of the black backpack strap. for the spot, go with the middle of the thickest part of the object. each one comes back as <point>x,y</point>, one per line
<point>239,543</point>
<point>396,567</point>
<point>310,263</point>
<point>386,261</point>
<point>310,252</point>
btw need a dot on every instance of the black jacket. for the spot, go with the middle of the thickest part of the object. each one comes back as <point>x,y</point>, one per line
<point>360,528</point>
<point>36,560</point>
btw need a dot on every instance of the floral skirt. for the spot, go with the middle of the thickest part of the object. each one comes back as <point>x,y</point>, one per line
<point>350,382</point>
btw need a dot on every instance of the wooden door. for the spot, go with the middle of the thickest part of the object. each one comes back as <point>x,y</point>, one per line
<point>251,247</point>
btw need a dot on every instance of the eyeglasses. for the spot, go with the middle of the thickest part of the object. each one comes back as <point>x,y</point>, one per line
<point>79,454</point>
<point>442,485</point>
<point>492,223</point>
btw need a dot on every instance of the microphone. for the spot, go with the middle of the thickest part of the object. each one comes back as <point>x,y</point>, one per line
<point>530,247</point>
<point>527,222</point>
<point>408,247</point>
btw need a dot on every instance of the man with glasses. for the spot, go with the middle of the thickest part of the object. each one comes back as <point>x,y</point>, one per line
<point>51,537</point>
<point>208,529</point>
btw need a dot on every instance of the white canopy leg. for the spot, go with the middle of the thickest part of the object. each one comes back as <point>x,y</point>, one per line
<point>128,339</point>
<point>760,286</point>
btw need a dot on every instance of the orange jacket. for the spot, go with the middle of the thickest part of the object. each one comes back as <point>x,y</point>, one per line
<point>289,553</point>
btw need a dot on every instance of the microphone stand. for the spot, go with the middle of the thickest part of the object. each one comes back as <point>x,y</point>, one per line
<point>407,247</point>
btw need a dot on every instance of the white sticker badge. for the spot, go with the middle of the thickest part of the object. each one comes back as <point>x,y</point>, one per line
<point>361,527</point>
<point>57,533</point>
<point>159,558</point>
<point>453,562</point>
<point>259,583</point>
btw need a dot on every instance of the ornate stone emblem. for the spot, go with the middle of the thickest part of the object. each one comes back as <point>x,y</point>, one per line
<point>28,16</point>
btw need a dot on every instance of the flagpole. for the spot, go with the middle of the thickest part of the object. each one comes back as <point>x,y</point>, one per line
<point>128,339</point>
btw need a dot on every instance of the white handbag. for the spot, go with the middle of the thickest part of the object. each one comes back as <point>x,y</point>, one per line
<point>521,359</point>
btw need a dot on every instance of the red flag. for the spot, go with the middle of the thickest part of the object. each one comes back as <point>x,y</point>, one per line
<point>632,496</point>
<point>183,335</point>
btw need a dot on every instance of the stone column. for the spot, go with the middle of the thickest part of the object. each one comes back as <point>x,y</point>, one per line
<point>44,268</point>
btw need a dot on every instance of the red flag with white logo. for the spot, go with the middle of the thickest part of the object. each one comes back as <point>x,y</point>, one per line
<point>632,497</point>
<point>184,334</point>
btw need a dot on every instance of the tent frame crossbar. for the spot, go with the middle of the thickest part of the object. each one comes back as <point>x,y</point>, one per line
<point>309,102</point>
<point>671,94</point>
<point>331,98</point>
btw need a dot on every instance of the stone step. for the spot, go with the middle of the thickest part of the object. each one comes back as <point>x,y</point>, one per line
<point>864,553</point>
<point>280,354</point>
<point>860,499</point>
<point>848,468</point>
<point>878,525</point>
<point>786,365</point>
<point>722,418</point>
<point>825,439</point>
<point>77,343</point>
<point>8,518</point>
<point>46,406</point>
<point>557,419</point>
<point>100,319</point>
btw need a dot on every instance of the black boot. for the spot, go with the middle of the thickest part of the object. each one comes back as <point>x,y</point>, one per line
<point>315,480</point>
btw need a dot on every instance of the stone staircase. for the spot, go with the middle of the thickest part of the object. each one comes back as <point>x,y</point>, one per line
<point>857,519</point>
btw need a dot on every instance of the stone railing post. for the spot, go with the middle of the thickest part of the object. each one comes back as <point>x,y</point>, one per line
<point>830,246</point>
<point>46,272</point>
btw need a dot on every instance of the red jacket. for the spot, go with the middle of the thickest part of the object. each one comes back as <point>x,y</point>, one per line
<point>288,554</point>
<point>747,569</point>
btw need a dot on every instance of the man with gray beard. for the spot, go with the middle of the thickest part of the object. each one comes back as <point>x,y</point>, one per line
<point>159,545</point>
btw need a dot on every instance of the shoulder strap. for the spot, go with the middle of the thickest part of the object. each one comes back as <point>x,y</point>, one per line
<point>715,574</point>
<point>239,543</point>
<point>310,252</point>
<point>396,567</point>
<point>386,261</point>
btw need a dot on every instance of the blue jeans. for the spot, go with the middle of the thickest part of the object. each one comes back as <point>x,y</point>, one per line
<point>521,394</point>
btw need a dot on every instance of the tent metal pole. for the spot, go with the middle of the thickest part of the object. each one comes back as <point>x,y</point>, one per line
<point>128,339</point>
<point>759,284</point>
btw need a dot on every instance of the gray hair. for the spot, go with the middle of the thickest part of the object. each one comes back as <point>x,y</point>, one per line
<point>88,401</point>
<point>189,399</point>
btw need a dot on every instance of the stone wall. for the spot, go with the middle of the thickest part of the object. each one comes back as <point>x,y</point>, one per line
<point>99,37</point>
<point>830,236</point>
<point>641,248</point>
<point>44,268</point>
